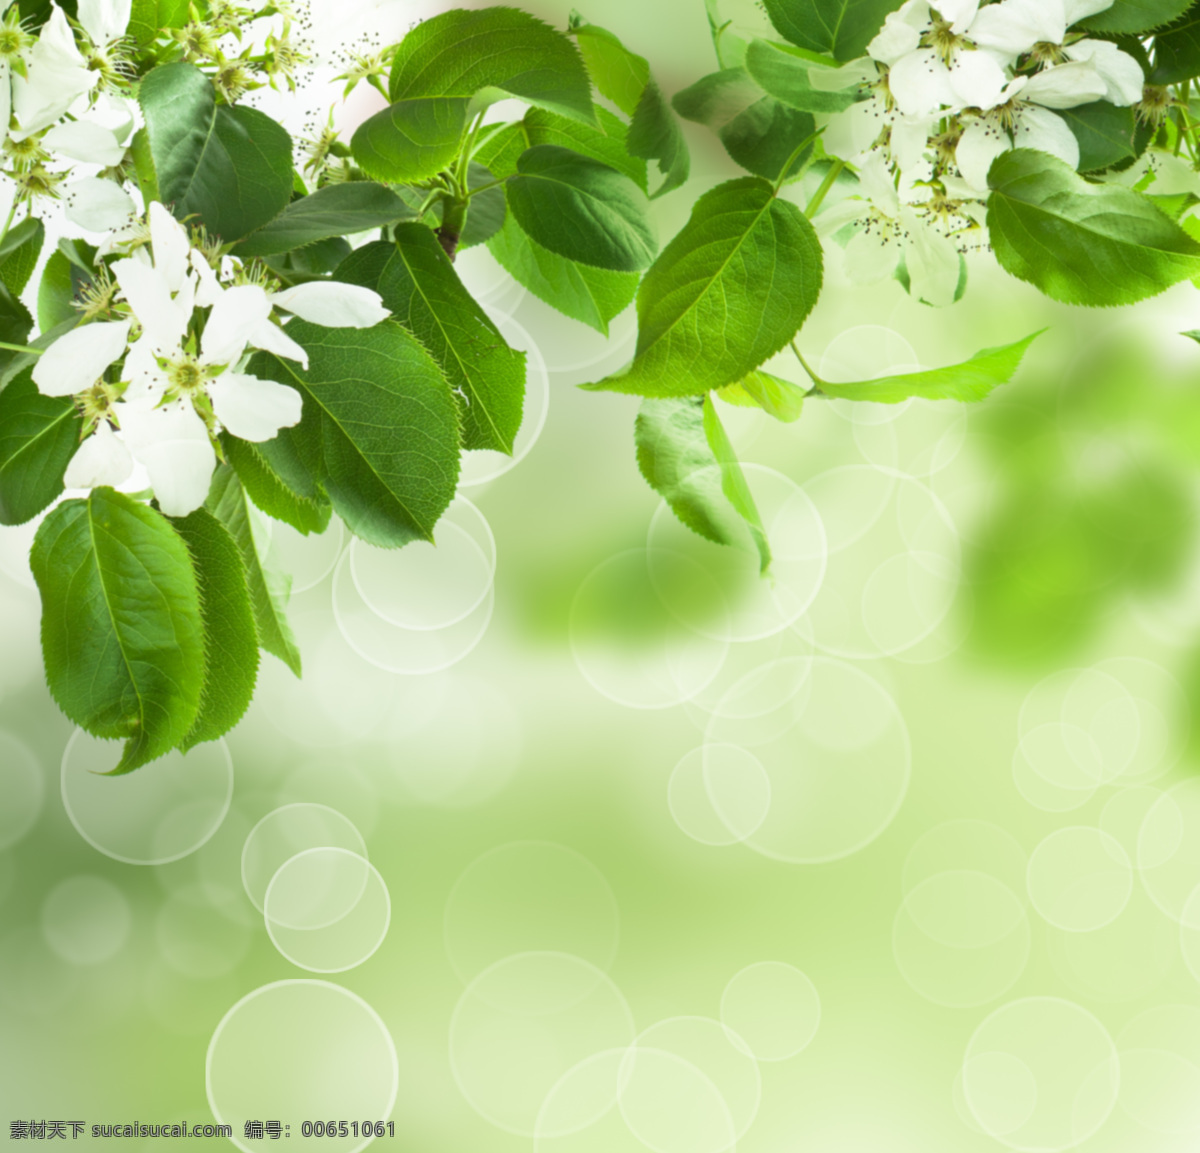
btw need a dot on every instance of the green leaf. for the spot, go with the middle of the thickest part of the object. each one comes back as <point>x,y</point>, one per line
<point>1081,243</point>
<point>15,326</point>
<point>143,165</point>
<point>13,363</point>
<point>618,74</point>
<point>339,210</point>
<point>487,212</point>
<point>419,286</point>
<point>733,482</point>
<point>581,209</point>
<point>1175,204</point>
<point>19,253</point>
<point>379,429</point>
<point>1177,49</point>
<point>590,295</point>
<point>460,53</point>
<point>654,134</point>
<point>149,19</point>
<point>269,590</point>
<point>56,290</point>
<point>38,436</point>
<point>413,140</point>
<point>121,630</point>
<point>231,166</point>
<point>230,639</point>
<point>271,492</point>
<point>1106,134</point>
<point>783,72</point>
<point>500,152</point>
<point>775,396</point>
<point>841,27</point>
<point>969,381</point>
<point>1132,16</point>
<point>729,291</point>
<point>608,144</point>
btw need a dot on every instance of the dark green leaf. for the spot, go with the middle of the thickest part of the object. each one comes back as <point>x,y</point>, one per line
<point>271,492</point>
<point>36,12</point>
<point>12,363</point>
<point>591,295</point>
<point>487,212</point>
<point>121,630</point>
<point>230,639</point>
<point>1106,134</point>
<point>313,262</point>
<point>419,286</point>
<point>15,326</point>
<point>654,134</point>
<point>775,396</point>
<point>581,209</point>
<point>339,210</point>
<point>38,436</point>
<point>380,427</point>
<point>733,482</point>
<point>19,253</point>
<point>729,291</point>
<point>1081,243</point>
<point>1131,16</point>
<point>783,72</point>
<point>460,53</point>
<point>1177,49</point>
<point>231,166</point>
<point>618,74</point>
<point>842,27</point>
<point>412,140</point>
<point>269,590</point>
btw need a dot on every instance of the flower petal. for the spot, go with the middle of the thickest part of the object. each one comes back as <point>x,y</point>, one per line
<point>1076,10</point>
<point>101,459</point>
<point>146,290</point>
<point>978,146</point>
<point>271,338</point>
<point>234,317</point>
<point>920,83</point>
<point>173,444</point>
<point>251,408</point>
<point>76,360</point>
<point>104,20</point>
<point>875,179</point>
<point>1041,129</point>
<point>977,80</point>
<point>169,241</point>
<point>870,256</point>
<point>1065,85</point>
<point>208,289</point>
<point>56,75</point>
<point>909,139</point>
<point>932,262</point>
<point>901,32</point>
<point>333,304</point>
<point>850,133</point>
<point>1121,73</point>
<point>960,13</point>
<point>86,141</point>
<point>97,205</point>
<point>1015,26</point>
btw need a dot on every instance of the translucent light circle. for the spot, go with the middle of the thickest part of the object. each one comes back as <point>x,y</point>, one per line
<point>629,647</point>
<point>965,844</point>
<point>15,543</point>
<point>1079,879</point>
<point>835,747</point>
<point>1066,761</point>
<point>488,282</point>
<point>428,586</point>
<point>522,1024</point>
<point>719,794</point>
<point>1160,1069</point>
<point>338,781</point>
<point>1163,716</point>
<point>920,439</point>
<point>961,938</point>
<point>574,348</point>
<point>412,652</point>
<point>302,1049</point>
<point>478,466</point>
<point>21,786</point>
<point>773,1008</point>
<point>308,560</point>
<point>530,897</point>
<point>862,352</point>
<point>197,938</point>
<point>287,831</point>
<point>159,813</point>
<point>689,1084</point>
<point>579,1114</point>
<point>86,920</point>
<point>1041,1074</point>
<point>1123,814</point>
<point>327,910</point>
<point>1168,853</point>
<point>1189,933</point>
<point>719,590</point>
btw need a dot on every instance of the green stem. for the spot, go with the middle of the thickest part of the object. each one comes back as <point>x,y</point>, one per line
<point>12,212</point>
<point>22,348</point>
<point>835,170</point>
<point>796,153</point>
<point>816,390</point>
<point>484,187</point>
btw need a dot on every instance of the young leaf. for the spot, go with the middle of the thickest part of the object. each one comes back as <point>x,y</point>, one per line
<point>38,436</point>
<point>618,74</point>
<point>775,396</point>
<point>590,295</point>
<point>608,145</point>
<point>338,210</point>
<point>841,27</point>
<point>1106,134</point>
<point>1081,243</point>
<point>19,253</point>
<point>1177,49</point>
<point>268,589</point>
<point>121,630</point>
<point>1131,16</point>
<point>581,209</point>
<point>733,481</point>
<point>412,140</point>
<point>654,134</point>
<point>230,639</point>
<point>783,72</point>
<point>421,289</point>
<point>271,492</point>
<point>729,291</point>
<point>56,289</point>
<point>230,166</point>
<point>458,53</point>
<point>149,19</point>
<point>969,381</point>
<point>380,427</point>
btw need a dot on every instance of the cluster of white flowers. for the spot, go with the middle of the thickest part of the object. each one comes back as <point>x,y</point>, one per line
<point>951,88</point>
<point>161,376</point>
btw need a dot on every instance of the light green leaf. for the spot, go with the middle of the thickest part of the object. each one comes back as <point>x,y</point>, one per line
<point>590,295</point>
<point>608,144</point>
<point>379,429</point>
<point>38,436</point>
<point>971,380</point>
<point>581,209</point>
<point>149,19</point>
<point>733,481</point>
<point>500,152</point>
<point>143,165</point>
<point>306,512</point>
<point>1081,243</point>
<point>269,589</point>
<point>19,253</point>
<point>230,166</point>
<point>618,74</point>
<point>339,210</point>
<point>419,286</point>
<point>729,291</point>
<point>841,27</point>
<point>121,629</point>
<point>412,140</point>
<point>461,53</point>
<point>782,71</point>
<point>775,396</point>
<point>654,134</point>
<point>1128,16</point>
<point>230,638</point>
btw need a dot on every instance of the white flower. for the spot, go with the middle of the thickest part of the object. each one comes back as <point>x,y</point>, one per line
<point>97,205</point>
<point>56,75</point>
<point>1013,27</point>
<point>76,360</point>
<point>333,304</point>
<point>104,20</point>
<point>102,459</point>
<point>850,133</point>
<point>174,445</point>
<point>1122,74</point>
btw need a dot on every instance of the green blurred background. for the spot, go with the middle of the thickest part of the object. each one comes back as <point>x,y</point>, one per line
<point>977,854</point>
